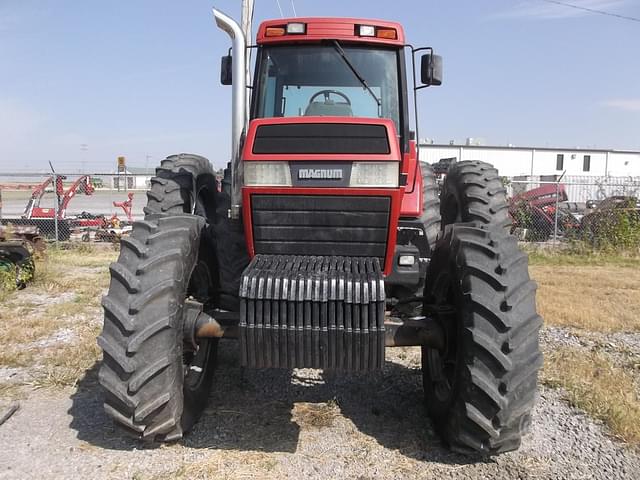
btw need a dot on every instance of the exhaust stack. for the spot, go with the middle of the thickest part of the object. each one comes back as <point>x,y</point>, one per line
<point>238,103</point>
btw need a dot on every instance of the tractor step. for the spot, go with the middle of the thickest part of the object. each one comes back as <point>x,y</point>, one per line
<point>312,312</point>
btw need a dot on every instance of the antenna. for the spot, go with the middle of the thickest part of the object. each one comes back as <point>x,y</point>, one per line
<point>293,6</point>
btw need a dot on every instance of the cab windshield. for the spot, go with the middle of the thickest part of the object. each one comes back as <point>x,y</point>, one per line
<point>319,80</point>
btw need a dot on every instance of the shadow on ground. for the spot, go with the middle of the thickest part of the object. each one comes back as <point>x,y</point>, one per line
<point>251,410</point>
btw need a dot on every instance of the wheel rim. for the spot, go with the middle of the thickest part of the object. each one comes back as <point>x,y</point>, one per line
<point>204,203</point>
<point>197,368</point>
<point>450,211</point>
<point>443,363</point>
<point>197,357</point>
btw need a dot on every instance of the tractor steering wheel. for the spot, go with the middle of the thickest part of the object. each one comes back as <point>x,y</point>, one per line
<point>326,94</point>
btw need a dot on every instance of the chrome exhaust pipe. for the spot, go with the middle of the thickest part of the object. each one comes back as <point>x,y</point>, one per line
<point>238,103</point>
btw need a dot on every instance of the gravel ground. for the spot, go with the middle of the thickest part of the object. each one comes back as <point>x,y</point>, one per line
<point>621,348</point>
<point>300,424</point>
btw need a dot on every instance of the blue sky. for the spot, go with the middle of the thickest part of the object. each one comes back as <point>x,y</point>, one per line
<point>141,78</point>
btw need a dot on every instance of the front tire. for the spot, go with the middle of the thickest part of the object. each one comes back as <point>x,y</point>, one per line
<point>480,389</point>
<point>142,372</point>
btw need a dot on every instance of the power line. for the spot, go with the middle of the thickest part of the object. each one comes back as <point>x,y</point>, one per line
<point>280,8</point>
<point>591,10</point>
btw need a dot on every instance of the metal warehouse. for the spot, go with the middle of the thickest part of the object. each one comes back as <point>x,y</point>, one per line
<point>541,161</point>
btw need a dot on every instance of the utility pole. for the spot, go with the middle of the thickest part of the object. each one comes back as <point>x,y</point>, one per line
<point>83,161</point>
<point>247,20</point>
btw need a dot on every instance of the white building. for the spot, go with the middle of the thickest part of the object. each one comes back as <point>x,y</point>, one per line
<point>541,161</point>
<point>131,179</point>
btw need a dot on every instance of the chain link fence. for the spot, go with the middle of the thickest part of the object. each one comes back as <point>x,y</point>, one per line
<point>101,207</point>
<point>597,210</point>
<point>61,207</point>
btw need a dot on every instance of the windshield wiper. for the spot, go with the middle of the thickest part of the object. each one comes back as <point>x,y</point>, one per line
<point>339,49</point>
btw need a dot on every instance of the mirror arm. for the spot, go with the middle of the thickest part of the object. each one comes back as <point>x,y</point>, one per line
<point>415,97</point>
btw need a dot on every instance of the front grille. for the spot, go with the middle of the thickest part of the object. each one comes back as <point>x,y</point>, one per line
<point>324,138</point>
<point>320,225</point>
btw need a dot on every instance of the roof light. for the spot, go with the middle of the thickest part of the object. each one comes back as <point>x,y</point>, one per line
<point>296,28</point>
<point>274,32</point>
<point>367,31</point>
<point>389,33</point>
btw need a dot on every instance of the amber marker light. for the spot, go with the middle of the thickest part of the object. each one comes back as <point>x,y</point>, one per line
<point>388,33</point>
<point>274,32</point>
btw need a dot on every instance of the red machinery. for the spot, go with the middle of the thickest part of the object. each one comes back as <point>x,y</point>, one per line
<point>33,209</point>
<point>325,242</point>
<point>535,211</point>
<point>126,206</point>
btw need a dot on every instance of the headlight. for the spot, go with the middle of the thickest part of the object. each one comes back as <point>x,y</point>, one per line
<point>275,174</point>
<point>374,174</point>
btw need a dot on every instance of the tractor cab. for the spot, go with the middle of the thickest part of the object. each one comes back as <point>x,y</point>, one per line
<point>327,148</point>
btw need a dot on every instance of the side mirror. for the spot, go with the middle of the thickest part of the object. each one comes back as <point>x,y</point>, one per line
<point>431,70</point>
<point>225,70</point>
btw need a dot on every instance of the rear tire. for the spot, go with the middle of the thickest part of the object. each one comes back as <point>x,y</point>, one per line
<point>480,389</point>
<point>430,220</point>
<point>473,192</point>
<point>430,217</point>
<point>185,183</point>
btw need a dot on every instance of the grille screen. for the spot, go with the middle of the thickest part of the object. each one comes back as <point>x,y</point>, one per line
<point>320,225</point>
<point>321,138</point>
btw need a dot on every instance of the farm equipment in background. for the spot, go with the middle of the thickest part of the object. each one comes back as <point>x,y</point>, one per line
<point>16,261</point>
<point>126,206</point>
<point>18,243</point>
<point>611,220</point>
<point>63,197</point>
<point>45,218</point>
<point>100,229</point>
<point>324,225</point>
<point>26,233</point>
<point>534,213</point>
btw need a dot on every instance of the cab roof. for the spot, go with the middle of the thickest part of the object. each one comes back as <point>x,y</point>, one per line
<point>322,28</point>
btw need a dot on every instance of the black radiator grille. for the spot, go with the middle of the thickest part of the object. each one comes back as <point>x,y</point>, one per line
<point>320,225</point>
<point>324,138</point>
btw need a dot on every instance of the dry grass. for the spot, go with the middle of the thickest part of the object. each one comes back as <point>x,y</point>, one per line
<point>224,464</point>
<point>550,257</point>
<point>10,391</point>
<point>63,301</point>
<point>591,297</point>
<point>64,364</point>
<point>593,384</point>
<point>316,415</point>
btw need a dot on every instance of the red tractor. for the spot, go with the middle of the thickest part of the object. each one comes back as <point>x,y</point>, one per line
<point>326,243</point>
